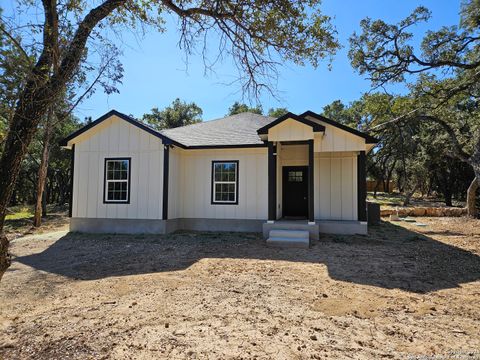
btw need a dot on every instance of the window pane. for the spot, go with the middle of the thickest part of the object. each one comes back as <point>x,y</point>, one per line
<point>226,174</point>
<point>225,171</point>
<point>218,193</point>
<point>123,195</point>
<point>295,176</point>
<point>117,180</point>
<point>123,165</point>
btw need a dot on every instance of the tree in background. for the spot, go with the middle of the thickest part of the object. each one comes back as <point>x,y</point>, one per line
<point>277,112</point>
<point>238,108</point>
<point>411,153</point>
<point>179,113</point>
<point>338,111</point>
<point>256,37</point>
<point>447,72</point>
<point>14,68</point>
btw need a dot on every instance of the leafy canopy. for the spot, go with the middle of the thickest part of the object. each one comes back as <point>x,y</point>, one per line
<point>238,108</point>
<point>179,113</point>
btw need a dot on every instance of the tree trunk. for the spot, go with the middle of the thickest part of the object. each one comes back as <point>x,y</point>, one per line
<point>44,204</point>
<point>408,196</point>
<point>375,189</point>
<point>13,200</point>
<point>447,193</point>
<point>37,96</point>
<point>42,171</point>
<point>389,177</point>
<point>471,197</point>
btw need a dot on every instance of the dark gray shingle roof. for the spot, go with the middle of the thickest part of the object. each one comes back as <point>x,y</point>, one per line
<point>239,129</point>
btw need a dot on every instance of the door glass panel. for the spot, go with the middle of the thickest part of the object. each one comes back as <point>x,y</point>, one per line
<point>295,176</point>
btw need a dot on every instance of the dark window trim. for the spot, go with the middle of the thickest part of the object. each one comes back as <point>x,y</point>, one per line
<point>212,197</point>
<point>129,188</point>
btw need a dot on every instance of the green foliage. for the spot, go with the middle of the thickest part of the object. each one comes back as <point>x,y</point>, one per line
<point>437,125</point>
<point>238,108</point>
<point>58,173</point>
<point>179,113</point>
<point>277,112</point>
<point>415,154</point>
<point>13,70</point>
<point>20,212</point>
<point>338,111</point>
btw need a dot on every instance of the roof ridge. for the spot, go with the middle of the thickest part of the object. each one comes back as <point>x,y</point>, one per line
<point>218,119</point>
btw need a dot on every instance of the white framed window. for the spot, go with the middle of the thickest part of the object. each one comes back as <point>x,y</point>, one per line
<point>117,181</point>
<point>225,182</point>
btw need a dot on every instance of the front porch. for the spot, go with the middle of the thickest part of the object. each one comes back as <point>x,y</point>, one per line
<point>316,178</point>
<point>342,227</point>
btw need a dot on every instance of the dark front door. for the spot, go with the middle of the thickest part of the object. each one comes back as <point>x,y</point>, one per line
<point>295,191</point>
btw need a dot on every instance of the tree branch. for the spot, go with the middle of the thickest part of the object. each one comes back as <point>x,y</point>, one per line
<point>16,43</point>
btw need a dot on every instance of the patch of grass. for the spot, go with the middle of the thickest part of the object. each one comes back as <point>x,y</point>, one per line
<point>19,219</point>
<point>391,199</point>
<point>19,212</point>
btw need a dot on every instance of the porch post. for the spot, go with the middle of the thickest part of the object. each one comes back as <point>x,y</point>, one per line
<point>311,171</point>
<point>166,163</point>
<point>272,182</point>
<point>72,169</point>
<point>362,186</point>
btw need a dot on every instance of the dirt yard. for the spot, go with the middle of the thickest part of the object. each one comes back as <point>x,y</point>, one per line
<point>402,292</point>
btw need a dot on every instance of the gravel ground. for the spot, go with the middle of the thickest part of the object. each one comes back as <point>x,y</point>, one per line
<point>401,292</point>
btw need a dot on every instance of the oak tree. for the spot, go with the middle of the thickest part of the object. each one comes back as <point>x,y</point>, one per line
<point>257,35</point>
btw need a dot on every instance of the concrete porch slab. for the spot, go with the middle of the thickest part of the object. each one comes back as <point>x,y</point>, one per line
<point>313,229</point>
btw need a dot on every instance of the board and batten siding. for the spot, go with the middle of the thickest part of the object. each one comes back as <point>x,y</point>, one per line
<point>290,130</point>
<point>335,140</point>
<point>335,180</point>
<point>191,184</point>
<point>118,138</point>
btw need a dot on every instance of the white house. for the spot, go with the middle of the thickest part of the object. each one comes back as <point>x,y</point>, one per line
<point>245,172</point>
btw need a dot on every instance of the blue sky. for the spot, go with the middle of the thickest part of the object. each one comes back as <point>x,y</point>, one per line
<point>155,71</point>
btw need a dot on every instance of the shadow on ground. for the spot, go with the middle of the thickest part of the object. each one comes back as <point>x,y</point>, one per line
<point>390,256</point>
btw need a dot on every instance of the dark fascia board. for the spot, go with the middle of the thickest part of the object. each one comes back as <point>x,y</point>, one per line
<point>368,138</point>
<point>316,127</point>
<point>238,146</point>
<point>127,118</point>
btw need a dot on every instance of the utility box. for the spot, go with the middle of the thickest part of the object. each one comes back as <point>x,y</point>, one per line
<point>373,213</point>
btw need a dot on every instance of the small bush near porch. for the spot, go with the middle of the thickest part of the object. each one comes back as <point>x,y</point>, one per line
<point>400,291</point>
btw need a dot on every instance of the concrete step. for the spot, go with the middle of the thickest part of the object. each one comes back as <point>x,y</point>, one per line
<point>289,233</point>
<point>288,242</point>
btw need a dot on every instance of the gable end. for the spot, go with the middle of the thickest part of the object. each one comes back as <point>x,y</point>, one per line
<point>128,119</point>
<point>368,138</point>
<point>316,127</point>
